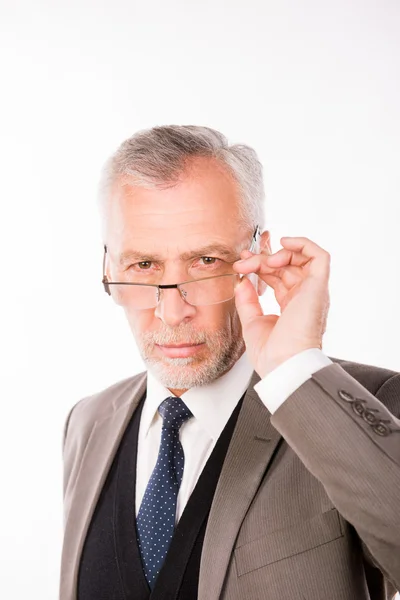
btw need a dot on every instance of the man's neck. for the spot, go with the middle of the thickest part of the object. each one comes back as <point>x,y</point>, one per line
<point>177,392</point>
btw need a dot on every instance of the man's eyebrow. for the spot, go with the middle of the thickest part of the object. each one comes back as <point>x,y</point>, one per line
<point>211,250</point>
<point>131,255</point>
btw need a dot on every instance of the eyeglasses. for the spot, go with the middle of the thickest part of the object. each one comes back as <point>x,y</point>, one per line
<point>197,292</point>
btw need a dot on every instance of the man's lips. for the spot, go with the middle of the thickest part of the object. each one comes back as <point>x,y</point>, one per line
<point>184,345</point>
<point>183,350</point>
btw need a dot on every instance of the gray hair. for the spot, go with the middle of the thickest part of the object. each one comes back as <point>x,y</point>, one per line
<point>158,156</point>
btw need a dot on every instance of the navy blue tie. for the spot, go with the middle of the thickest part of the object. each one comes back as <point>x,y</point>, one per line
<point>156,518</point>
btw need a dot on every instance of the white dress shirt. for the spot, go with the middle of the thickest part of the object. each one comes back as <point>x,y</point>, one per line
<point>211,406</point>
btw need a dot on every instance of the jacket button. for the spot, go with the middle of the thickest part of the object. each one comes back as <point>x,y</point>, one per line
<point>380,429</point>
<point>346,396</point>
<point>369,417</point>
<point>358,408</point>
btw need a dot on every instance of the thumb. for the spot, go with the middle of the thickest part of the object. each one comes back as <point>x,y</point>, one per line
<point>247,302</point>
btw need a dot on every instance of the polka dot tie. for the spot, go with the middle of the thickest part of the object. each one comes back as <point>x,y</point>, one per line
<point>156,518</point>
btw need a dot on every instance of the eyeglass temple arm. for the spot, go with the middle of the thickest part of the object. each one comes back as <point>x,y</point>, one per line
<point>105,280</point>
<point>255,238</point>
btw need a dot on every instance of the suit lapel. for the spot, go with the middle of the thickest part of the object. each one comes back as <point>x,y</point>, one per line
<point>251,449</point>
<point>100,450</point>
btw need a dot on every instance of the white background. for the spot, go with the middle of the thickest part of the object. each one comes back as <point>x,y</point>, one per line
<point>313,86</point>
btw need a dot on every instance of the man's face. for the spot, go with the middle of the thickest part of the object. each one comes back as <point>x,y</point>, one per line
<point>188,231</point>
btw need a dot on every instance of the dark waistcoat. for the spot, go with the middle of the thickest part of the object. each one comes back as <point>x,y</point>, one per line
<point>111,566</point>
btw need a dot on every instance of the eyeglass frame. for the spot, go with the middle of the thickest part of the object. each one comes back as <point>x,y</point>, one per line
<point>159,287</point>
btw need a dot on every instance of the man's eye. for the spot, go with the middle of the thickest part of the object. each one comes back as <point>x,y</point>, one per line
<point>208,260</point>
<point>144,264</point>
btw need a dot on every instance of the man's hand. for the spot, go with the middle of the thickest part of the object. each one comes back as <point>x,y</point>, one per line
<point>299,276</point>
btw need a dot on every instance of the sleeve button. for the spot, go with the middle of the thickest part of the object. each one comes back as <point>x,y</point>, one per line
<point>358,408</point>
<point>369,417</point>
<point>380,429</point>
<point>346,396</point>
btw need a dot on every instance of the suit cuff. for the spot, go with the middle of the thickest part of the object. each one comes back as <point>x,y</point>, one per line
<point>280,383</point>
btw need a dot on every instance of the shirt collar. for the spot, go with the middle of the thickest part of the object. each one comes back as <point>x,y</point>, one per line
<point>210,404</point>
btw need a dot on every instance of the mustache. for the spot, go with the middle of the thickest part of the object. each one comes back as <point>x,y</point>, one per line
<point>177,335</point>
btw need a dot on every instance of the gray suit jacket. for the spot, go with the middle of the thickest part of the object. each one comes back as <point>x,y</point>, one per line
<point>307,506</point>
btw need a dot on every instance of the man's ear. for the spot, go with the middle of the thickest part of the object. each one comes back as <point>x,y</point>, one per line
<point>265,248</point>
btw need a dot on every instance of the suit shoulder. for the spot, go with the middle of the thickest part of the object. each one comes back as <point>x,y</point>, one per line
<point>102,403</point>
<point>370,376</point>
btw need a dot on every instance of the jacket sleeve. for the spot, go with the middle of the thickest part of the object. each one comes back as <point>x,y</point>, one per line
<point>349,440</point>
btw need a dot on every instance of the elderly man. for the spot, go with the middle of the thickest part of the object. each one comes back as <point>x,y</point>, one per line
<point>244,464</point>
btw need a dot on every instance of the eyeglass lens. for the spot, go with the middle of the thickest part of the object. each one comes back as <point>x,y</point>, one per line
<point>197,293</point>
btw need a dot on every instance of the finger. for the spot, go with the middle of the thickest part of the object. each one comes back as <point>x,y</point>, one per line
<point>303,245</point>
<point>247,303</point>
<point>290,276</point>
<point>257,264</point>
<point>282,258</point>
<point>287,257</point>
<point>267,262</point>
<point>286,278</point>
<point>280,290</point>
<point>318,257</point>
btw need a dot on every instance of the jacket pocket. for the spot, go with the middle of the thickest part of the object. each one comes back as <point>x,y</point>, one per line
<point>288,542</point>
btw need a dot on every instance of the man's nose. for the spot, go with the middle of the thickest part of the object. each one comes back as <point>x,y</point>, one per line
<point>172,308</point>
